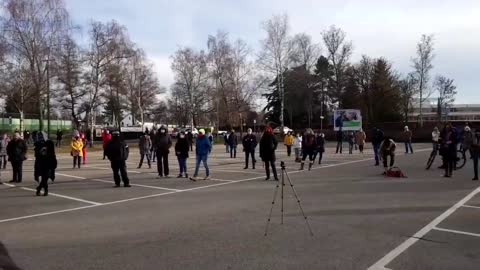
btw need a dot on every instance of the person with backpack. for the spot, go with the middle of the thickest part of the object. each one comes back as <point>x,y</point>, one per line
<point>360,138</point>
<point>47,164</point>
<point>288,142</point>
<point>106,137</point>
<point>309,145</point>
<point>351,142</point>
<point>162,144</point>
<point>117,152</point>
<point>232,143</point>
<point>320,142</point>
<point>407,139</point>
<point>249,143</point>
<point>144,146</point>
<point>339,141</point>
<point>3,151</point>
<point>268,145</point>
<point>203,147</point>
<point>387,149</point>
<point>377,139</point>
<point>181,151</point>
<point>297,147</point>
<point>17,154</point>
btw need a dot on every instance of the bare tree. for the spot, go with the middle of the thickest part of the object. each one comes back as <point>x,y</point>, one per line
<point>31,32</point>
<point>275,55</point>
<point>423,65</point>
<point>408,90</point>
<point>68,68</point>
<point>339,51</point>
<point>446,94</point>
<point>364,71</point>
<point>304,52</point>
<point>192,77</point>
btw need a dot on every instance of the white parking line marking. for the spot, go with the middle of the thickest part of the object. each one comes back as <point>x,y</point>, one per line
<point>58,195</point>
<point>104,168</point>
<point>457,232</point>
<point>413,239</point>
<point>137,185</point>
<point>471,206</point>
<point>221,180</point>
<point>48,213</point>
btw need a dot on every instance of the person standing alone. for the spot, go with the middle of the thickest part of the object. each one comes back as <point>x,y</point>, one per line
<point>59,137</point>
<point>339,141</point>
<point>47,163</point>
<point>407,138</point>
<point>360,138</point>
<point>117,152</point>
<point>232,143</point>
<point>17,153</point>
<point>288,141</point>
<point>268,145</point>
<point>162,144</point>
<point>76,150</point>
<point>249,143</point>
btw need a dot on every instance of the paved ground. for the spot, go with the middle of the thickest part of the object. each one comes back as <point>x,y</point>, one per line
<point>360,219</point>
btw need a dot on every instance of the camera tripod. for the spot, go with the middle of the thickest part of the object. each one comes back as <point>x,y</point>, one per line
<point>282,183</point>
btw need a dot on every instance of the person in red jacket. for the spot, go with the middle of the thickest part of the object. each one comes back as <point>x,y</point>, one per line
<point>84,149</point>
<point>106,137</point>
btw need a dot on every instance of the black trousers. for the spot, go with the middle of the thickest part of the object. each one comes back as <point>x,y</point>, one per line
<point>250,153</point>
<point>449,164</point>
<point>3,162</point>
<point>142,157</point>
<point>385,157</point>
<point>162,164</point>
<point>339,147</point>
<point>289,150</point>
<point>77,161</point>
<point>309,153</point>
<point>119,168</point>
<point>17,168</point>
<point>274,169</point>
<point>44,175</point>
<point>320,156</point>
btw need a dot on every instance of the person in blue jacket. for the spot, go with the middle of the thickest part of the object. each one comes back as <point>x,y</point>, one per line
<point>203,149</point>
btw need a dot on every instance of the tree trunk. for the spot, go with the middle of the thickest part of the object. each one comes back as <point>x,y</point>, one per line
<point>21,121</point>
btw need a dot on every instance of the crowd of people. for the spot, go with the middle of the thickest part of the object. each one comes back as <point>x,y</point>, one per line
<point>156,144</point>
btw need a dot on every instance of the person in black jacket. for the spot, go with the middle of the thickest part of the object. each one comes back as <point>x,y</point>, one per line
<point>181,151</point>
<point>117,152</point>
<point>249,143</point>
<point>162,145</point>
<point>339,141</point>
<point>320,147</point>
<point>268,145</point>
<point>448,149</point>
<point>17,153</point>
<point>45,155</point>
<point>377,139</point>
<point>190,140</point>
<point>309,145</point>
<point>232,143</point>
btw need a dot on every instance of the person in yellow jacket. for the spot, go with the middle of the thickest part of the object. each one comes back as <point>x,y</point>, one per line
<point>288,141</point>
<point>76,150</point>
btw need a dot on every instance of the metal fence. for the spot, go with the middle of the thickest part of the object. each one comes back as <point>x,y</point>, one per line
<point>12,124</point>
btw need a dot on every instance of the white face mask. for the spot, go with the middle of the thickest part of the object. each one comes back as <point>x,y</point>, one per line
<point>182,136</point>
<point>162,131</point>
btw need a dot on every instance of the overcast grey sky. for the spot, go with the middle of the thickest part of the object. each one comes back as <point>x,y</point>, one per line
<point>377,28</point>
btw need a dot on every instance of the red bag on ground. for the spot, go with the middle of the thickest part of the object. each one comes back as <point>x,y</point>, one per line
<point>395,172</point>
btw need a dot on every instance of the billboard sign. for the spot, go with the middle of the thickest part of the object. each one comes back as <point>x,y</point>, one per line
<point>347,120</point>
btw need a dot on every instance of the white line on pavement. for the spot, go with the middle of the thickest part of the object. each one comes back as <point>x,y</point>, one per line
<point>103,168</point>
<point>137,185</point>
<point>48,213</point>
<point>471,206</point>
<point>455,231</point>
<point>413,239</point>
<point>221,180</point>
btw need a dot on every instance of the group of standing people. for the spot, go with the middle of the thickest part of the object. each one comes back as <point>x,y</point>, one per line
<point>356,140</point>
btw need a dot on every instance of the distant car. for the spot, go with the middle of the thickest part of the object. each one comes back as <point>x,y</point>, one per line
<point>194,131</point>
<point>285,130</point>
<point>222,132</point>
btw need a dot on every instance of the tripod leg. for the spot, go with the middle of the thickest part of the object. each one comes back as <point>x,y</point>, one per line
<point>299,204</point>
<point>271,209</point>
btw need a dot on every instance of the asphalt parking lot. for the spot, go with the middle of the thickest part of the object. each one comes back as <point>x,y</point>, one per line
<point>360,219</point>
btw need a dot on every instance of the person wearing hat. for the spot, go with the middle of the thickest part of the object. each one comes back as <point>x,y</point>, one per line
<point>181,151</point>
<point>232,143</point>
<point>17,153</point>
<point>117,152</point>
<point>202,149</point>
<point>162,144</point>
<point>249,143</point>
<point>76,150</point>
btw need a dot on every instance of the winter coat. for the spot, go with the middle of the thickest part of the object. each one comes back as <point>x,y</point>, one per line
<point>407,136</point>
<point>144,144</point>
<point>297,142</point>
<point>377,137</point>
<point>249,143</point>
<point>17,150</point>
<point>182,148</point>
<point>203,146</point>
<point>268,145</point>
<point>190,138</point>
<point>76,148</point>
<point>351,138</point>
<point>289,140</point>
<point>448,148</point>
<point>360,137</point>
<point>320,144</point>
<point>117,150</point>
<point>106,138</point>
<point>435,136</point>
<point>45,159</point>
<point>3,146</point>
<point>162,143</point>
<point>388,150</point>
<point>309,143</point>
<point>232,139</point>
<point>468,139</point>
<point>225,139</point>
